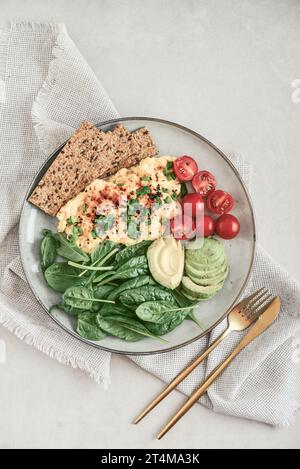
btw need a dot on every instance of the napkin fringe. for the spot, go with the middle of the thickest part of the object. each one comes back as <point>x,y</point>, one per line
<point>4,35</point>
<point>36,27</point>
<point>52,352</point>
<point>40,118</point>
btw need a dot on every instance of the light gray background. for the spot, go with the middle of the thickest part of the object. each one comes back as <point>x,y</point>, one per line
<point>223,68</point>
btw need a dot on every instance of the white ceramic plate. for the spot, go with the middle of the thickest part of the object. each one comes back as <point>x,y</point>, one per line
<point>171,139</point>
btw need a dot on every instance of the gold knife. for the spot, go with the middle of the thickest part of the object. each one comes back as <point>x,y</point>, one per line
<point>264,321</point>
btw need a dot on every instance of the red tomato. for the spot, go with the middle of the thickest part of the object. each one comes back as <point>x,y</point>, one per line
<point>227,226</point>
<point>204,182</point>
<point>205,226</point>
<point>183,227</point>
<point>209,225</point>
<point>219,202</point>
<point>185,167</point>
<point>193,205</point>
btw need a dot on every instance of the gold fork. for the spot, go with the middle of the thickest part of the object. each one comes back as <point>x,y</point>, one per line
<point>266,316</point>
<point>239,318</point>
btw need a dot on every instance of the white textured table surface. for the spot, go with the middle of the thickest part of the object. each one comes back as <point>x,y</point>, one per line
<point>226,70</point>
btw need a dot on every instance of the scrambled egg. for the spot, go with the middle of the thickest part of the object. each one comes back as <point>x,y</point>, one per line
<point>127,207</point>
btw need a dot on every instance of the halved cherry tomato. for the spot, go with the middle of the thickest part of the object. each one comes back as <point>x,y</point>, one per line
<point>219,202</point>
<point>204,182</point>
<point>185,167</point>
<point>193,205</point>
<point>183,227</point>
<point>227,226</point>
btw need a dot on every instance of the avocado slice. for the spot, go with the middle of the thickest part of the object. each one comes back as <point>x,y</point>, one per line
<point>214,280</point>
<point>199,291</point>
<point>207,272</point>
<point>211,251</point>
<point>194,298</point>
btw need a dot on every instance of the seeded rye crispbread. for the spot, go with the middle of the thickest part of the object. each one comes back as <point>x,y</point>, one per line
<point>89,154</point>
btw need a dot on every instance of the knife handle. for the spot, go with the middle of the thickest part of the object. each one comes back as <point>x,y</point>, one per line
<point>181,376</point>
<point>263,322</point>
<point>200,391</point>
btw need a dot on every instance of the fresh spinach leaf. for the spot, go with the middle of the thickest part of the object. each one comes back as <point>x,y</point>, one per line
<point>131,324</point>
<point>117,309</point>
<point>117,329</point>
<point>174,320</point>
<point>61,276</point>
<point>69,250</point>
<point>136,296</point>
<point>90,267</point>
<point>103,291</point>
<point>132,251</point>
<point>81,297</point>
<point>129,284</point>
<point>47,251</point>
<point>67,309</point>
<point>183,301</point>
<point>88,328</point>
<point>132,268</point>
<point>101,277</point>
<point>158,312</point>
<point>103,250</point>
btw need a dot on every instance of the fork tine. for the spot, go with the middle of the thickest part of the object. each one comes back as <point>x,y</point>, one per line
<point>251,309</point>
<point>249,298</point>
<point>251,304</point>
<point>259,311</point>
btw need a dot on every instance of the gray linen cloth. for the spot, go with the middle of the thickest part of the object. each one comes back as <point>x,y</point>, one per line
<point>46,90</point>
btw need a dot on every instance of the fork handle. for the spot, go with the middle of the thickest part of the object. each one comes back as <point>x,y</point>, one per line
<point>182,375</point>
<point>199,392</point>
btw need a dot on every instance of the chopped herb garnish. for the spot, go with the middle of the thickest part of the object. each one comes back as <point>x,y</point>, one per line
<point>171,176</point>
<point>168,199</point>
<point>146,178</point>
<point>73,238</point>
<point>133,201</point>
<point>174,195</point>
<point>84,208</point>
<point>183,190</point>
<point>170,165</point>
<point>132,230</point>
<point>94,234</point>
<point>143,190</point>
<point>158,200</point>
<point>164,189</point>
<point>76,230</point>
<point>109,222</point>
<point>71,220</point>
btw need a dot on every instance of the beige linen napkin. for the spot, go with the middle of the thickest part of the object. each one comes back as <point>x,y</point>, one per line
<point>46,90</point>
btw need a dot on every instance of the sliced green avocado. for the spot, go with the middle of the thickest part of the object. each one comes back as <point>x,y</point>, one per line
<point>211,251</point>
<point>214,280</point>
<point>199,291</point>
<point>210,265</point>
<point>195,298</point>
<point>208,272</point>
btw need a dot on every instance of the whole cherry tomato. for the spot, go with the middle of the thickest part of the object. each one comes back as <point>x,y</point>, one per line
<point>227,226</point>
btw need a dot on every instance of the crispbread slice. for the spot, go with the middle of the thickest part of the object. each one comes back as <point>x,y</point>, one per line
<point>142,146</point>
<point>89,154</point>
<point>69,173</point>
